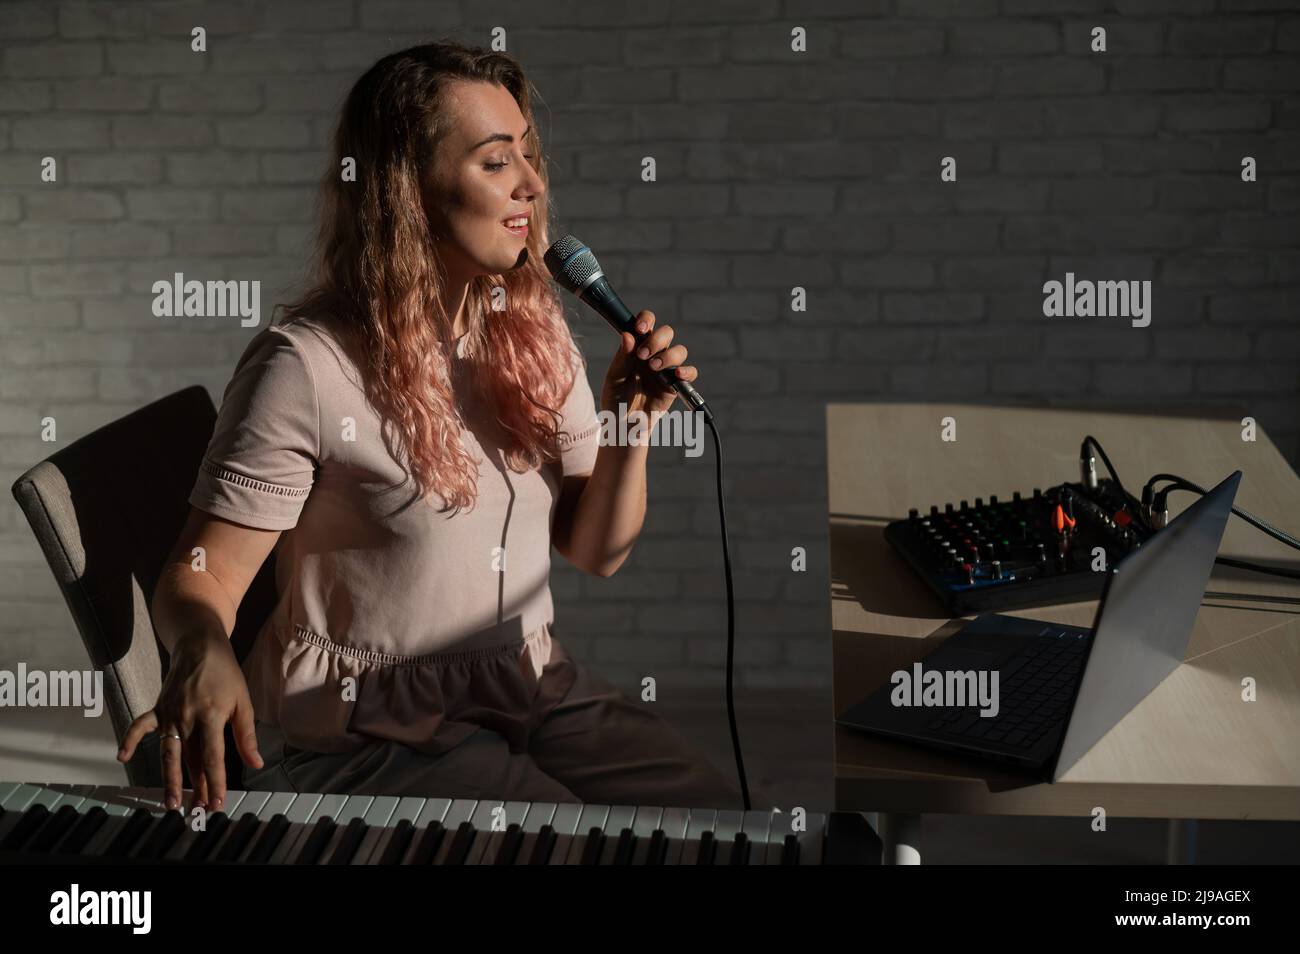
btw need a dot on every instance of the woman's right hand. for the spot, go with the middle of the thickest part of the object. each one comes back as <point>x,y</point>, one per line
<point>204,690</point>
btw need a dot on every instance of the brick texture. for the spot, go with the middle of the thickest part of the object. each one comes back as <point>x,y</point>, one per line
<point>776,169</point>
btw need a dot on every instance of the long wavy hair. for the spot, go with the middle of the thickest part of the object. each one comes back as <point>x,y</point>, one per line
<point>377,278</point>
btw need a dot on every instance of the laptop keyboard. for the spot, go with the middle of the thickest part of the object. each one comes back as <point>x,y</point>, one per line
<point>1032,700</point>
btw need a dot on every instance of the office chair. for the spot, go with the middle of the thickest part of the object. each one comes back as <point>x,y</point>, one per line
<point>106,511</point>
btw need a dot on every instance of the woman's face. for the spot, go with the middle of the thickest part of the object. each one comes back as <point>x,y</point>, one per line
<point>482,178</point>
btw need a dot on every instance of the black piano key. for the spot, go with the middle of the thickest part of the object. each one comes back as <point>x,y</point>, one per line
<point>244,831</point>
<point>460,844</point>
<point>544,846</point>
<point>658,849</point>
<point>132,832</point>
<point>350,842</point>
<point>316,841</point>
<point>595,844</point>
<point>790,850</point>
<point>83,831</point>
<point>626,845</point>
<point>508,851</point>
<point>54,828</point>
<point>430,841</point>
<point>201,848</point>
<point>268,839</point>
<point>740,849</point>
<point>31,820</point>
<point>707,847</point>
<point>398,842</point>
<point>163,836</point>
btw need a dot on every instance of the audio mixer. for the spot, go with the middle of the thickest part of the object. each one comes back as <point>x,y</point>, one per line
<point>1052,546</point>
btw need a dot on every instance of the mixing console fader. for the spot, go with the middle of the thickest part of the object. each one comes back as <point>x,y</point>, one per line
<point>1037,549</point>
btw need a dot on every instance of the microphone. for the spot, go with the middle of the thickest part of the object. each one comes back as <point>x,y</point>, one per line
<point>574,267</point>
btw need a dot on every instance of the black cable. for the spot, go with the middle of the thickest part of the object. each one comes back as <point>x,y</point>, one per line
<point>1182,483</point>
<point>1127,498</point>
<point>731,618</point>
<point>1259,567</point>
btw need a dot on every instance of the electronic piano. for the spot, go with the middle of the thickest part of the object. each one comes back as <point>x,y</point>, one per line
<point>88,824</point>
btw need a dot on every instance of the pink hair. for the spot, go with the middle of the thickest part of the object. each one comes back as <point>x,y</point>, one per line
<point>377,279</point>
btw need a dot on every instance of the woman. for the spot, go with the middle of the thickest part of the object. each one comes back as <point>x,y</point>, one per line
<point>412,440</point>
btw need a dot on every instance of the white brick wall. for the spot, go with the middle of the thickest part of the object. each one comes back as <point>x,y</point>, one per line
<point>774,171</point>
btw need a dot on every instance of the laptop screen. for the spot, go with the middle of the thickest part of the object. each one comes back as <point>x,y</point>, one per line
<point>1145,619</point>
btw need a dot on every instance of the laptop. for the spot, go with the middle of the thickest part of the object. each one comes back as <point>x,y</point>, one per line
<point>1058,688</point>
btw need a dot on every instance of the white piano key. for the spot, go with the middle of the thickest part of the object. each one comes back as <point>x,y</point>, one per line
<point>379,819</point>
<point>124,801</point>
<point>778,828</point>
<point>68,795</point>
<point>434,810</point>
<point>593,816</point>
<point>32,794</point>
<point>756,825</point>
<point>238,804</point>
<point>644,825</point>
<point>724,834</point>
<point>234,799</point>
<point>273,804</point>
<point>700,821</point>
<point>482,822</point>
<point>120,804</point>
<point>355,807</point>
<point>406,809</point>
<point>17,796</point>
<point>45,796</point>
<point>461,810</point>
<point>674,823</point>
<point>231,809</point>
<point>280,803</point>
<point>620,817</point>
<point>74,795</point>
<point>329,806</point>
<point>300,814</point>
<point>20,796</point>
<point>810,841</point>
<point>565,823</point>
<point>539,814</point>
<point>513,813</point>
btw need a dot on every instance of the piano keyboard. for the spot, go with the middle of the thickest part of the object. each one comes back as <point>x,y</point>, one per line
<point>88,824</point>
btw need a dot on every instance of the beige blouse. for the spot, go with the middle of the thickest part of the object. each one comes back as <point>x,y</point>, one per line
<point>393,620</point>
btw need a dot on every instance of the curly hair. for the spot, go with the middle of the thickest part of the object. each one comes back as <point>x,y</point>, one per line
<point>376,278</point>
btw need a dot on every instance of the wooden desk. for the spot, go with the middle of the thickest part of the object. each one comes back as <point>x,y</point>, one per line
<point>1192,748</point>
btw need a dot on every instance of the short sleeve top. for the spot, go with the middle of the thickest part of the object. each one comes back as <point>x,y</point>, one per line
<point>394,619</point>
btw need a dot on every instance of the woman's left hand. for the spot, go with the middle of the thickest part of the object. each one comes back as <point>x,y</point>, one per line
<point>633,376</point>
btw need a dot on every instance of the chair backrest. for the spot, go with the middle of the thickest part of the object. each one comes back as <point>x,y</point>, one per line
<point>106,510</point>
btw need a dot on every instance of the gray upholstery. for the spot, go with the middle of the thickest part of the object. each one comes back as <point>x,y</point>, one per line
<point>107,510</point>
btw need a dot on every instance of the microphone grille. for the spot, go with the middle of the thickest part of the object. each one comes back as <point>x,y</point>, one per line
<point>571,263</point>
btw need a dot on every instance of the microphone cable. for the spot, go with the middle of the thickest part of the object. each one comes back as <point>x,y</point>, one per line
<point>731,617</point>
